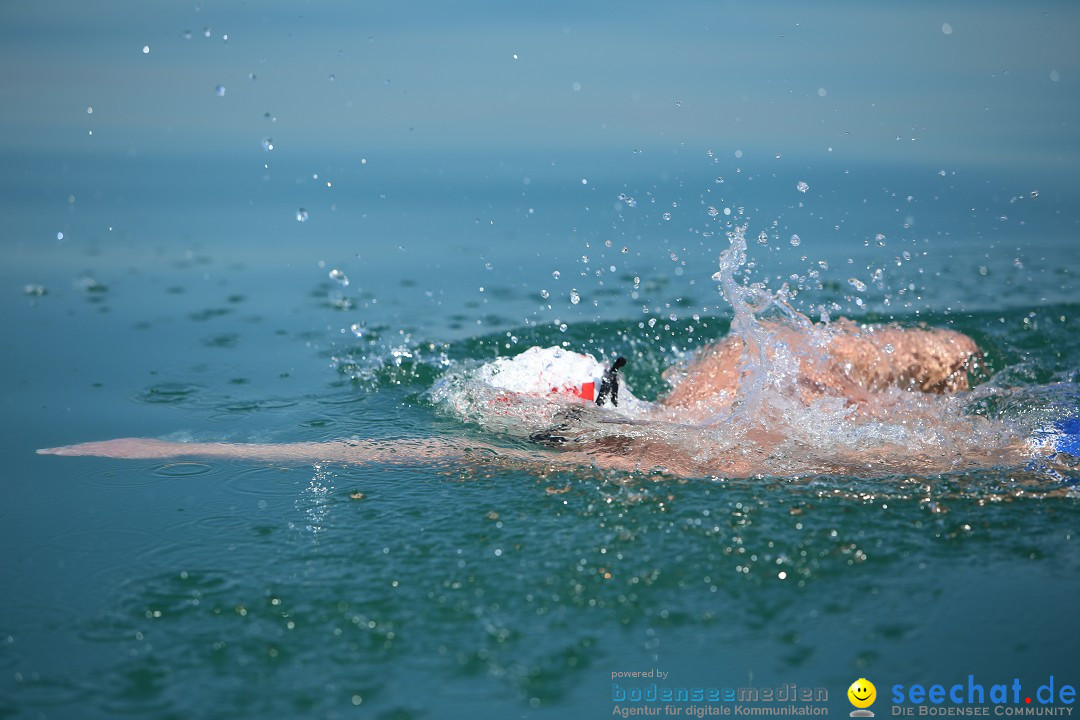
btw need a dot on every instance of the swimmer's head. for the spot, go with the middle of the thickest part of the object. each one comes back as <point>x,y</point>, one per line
<point>521,395</point>
<point>556,374</point>
<point>541,372</point>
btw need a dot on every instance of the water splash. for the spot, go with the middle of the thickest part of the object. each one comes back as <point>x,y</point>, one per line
<point>780,418</point>
<point>805,426</point>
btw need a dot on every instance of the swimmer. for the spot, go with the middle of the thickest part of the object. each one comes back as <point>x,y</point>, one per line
<point>778,396</point>
<point>867,372</point>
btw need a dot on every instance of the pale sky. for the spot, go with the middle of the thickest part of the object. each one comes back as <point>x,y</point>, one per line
<point>972,84</point>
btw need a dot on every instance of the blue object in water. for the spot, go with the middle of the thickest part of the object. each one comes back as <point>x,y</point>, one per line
<point>1061,436</point>
<point>1066,437</point>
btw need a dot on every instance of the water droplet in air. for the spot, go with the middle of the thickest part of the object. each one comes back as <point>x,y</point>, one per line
<point>545,294</point>
<point>946,28</point>
<point>556,274</point>
<point>302,215</point>
<point>340,277</point>
<point>801,186</point>
<point>857,284</point>
<point>357,330</point>
<point>795,241</point>
<point>713,212</point>
<point>187,34</point>
<point>574,297</point>
<point>220,91</point>
<point>719,180</point>
<point>35,290</point>
<point>268,144</point>
<point>667,216</point>
<point>332,77</point>
<point>1034,193</point>
<point>145,49</point>
<point>763,238</point>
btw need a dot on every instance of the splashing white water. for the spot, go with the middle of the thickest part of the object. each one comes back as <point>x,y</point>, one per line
<point>778,417</point>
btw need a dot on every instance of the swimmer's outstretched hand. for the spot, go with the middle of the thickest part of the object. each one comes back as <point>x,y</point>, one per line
<point>148,448</point>
<point>130,448</point>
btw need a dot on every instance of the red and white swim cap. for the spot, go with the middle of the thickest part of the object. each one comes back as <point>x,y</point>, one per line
<point>545,371</point>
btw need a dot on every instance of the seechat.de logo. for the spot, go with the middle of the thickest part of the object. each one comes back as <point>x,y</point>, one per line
<point>862,694</point>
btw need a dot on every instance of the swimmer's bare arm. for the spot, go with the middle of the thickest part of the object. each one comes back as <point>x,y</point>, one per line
<point>645,458</point>
<point>398,452</point>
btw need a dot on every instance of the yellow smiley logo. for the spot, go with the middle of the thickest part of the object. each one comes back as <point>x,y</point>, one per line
<point>862,693</point>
